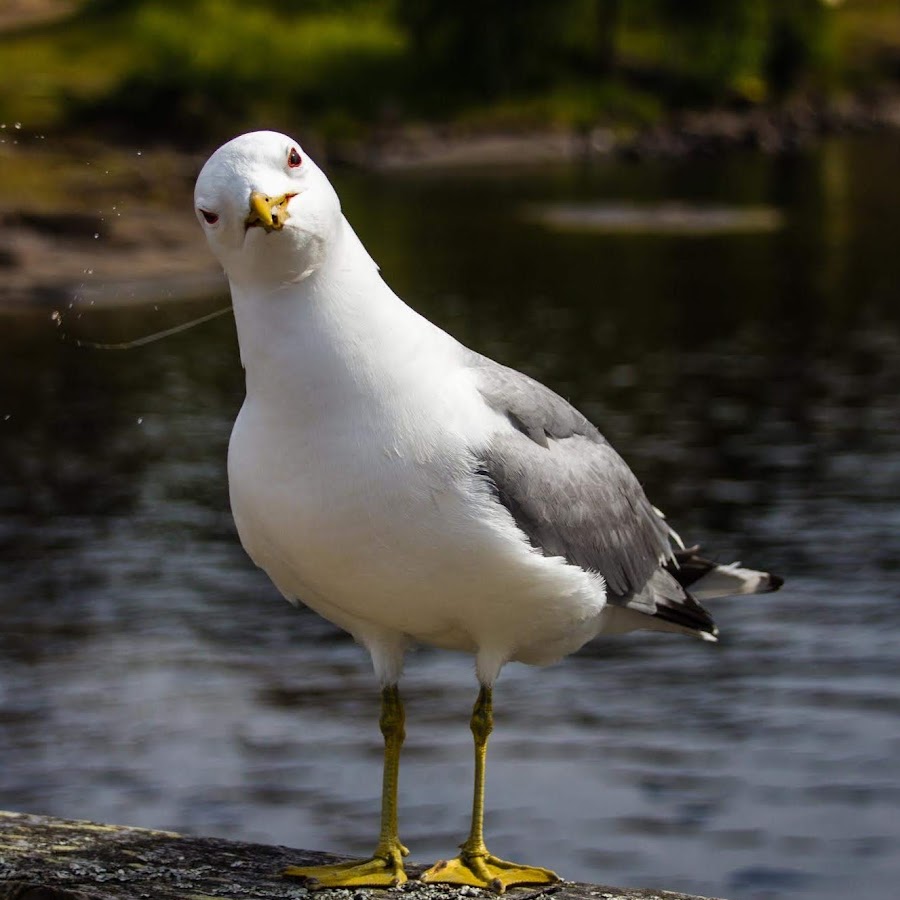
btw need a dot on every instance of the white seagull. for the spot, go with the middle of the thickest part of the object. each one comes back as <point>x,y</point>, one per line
<point>411,490</point>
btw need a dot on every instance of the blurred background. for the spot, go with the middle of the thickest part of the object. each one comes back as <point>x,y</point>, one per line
<point>683,216</point>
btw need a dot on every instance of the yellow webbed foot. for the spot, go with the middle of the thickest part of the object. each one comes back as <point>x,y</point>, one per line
<point>384,869</point>
<point>480,869</point>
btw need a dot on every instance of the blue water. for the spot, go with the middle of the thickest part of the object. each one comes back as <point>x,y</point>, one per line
<point>149,675</point>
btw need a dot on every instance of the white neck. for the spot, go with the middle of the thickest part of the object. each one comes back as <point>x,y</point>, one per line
<point>340,332</point>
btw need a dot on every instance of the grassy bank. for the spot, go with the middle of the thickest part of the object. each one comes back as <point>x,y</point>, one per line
<point>188,70</point>
<point>195,66</point>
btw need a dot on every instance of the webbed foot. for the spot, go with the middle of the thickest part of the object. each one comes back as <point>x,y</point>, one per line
<point>481,869</point>
<point>384,869</point>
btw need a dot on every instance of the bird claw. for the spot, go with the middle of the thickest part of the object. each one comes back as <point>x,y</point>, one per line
<point>486,871</point>
<point>379,871</point>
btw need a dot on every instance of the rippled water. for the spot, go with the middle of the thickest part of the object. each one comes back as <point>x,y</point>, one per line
<point>149,675</point>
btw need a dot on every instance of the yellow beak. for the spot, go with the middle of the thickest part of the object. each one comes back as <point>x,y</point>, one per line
<point>268,212</point>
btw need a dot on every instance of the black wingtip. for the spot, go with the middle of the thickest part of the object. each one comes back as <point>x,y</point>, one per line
<point>688,614</point>
<point>775,582</point>
<point>688,567</point>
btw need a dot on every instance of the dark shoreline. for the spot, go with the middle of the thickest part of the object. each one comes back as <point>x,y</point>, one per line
<point>771,130</point>
<point>156,247</point>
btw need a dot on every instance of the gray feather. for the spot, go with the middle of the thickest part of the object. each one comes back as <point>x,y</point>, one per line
<point>666,600</point>
<point>573,496</point>
<point>568,489</point>
<point>708,580</point>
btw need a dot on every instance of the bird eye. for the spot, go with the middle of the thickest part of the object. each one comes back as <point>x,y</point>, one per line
<point>294,158</point>
<point>211,217</point>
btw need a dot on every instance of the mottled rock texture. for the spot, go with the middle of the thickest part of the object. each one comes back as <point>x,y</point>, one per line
<point>42,858</point>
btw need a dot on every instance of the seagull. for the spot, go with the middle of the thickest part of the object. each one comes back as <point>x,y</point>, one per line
<point>413,491</point>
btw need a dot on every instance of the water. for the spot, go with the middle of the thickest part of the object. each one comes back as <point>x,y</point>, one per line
<point>149,675</point>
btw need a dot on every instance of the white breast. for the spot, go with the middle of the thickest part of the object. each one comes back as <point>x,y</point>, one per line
<point>375,525</point>
<point>352,471</point>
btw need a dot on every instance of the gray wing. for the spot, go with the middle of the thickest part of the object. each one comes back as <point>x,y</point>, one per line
<point>573,496</point>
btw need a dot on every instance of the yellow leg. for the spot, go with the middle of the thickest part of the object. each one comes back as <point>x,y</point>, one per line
<point>385,868</point>
<point>475,865</point>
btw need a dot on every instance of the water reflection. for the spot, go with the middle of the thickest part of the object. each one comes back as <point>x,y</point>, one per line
<point>148,675</point>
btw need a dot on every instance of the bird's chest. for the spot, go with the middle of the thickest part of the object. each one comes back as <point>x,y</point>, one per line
<point>344,497</point>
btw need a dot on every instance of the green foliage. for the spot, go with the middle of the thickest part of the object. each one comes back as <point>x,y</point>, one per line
<point>800,45</point>
<point>746,50</point>
<point>487,49</point>
<point>192,67</point>
<point>687,51</point>
<point>215,63</point>
<point>716,47</point>
<point>576,105</point>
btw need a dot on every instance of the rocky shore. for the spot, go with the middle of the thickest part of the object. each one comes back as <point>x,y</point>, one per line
<point>83,222</point>
<point>61,859</point>
<point>784,129</point>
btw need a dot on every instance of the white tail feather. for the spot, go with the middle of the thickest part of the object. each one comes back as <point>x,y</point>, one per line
<point>730,580</point>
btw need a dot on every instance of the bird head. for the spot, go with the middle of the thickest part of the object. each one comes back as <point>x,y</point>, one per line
<point>268,211</point>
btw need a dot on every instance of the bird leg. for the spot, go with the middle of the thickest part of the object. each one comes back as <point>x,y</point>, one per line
<point>385,868</point>
<point>475,865</point>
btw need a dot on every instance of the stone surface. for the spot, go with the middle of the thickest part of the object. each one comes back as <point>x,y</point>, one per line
<point>43,858</point>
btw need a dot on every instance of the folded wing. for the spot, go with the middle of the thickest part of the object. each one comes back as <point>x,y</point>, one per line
<point>573,496</point>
